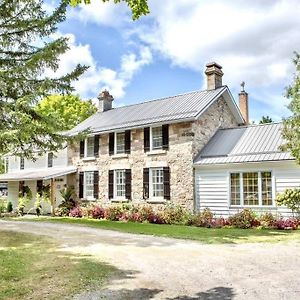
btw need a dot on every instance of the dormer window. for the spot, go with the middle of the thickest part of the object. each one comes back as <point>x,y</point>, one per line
<point>22,163</point>
<point>50,160</point>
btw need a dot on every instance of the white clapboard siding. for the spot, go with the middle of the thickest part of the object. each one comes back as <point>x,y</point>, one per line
<point>13,193</point>
<point>212,185</point>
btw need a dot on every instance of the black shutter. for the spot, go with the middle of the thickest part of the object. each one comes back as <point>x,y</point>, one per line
<point>96,146</point>
<point>127,141</point>
<point>39,187</point>
<point>81,148</point>
<point>167,183</point>
<point>111,143</point>
<point>110,184</point>
<point>128,184</point>
<point>96,184</point>
<point>81,174</point>
<point>146,139</point>
<point>146,183</point>
<point>165,137</point>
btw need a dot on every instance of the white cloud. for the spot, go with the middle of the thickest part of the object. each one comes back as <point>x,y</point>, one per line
<point>97,78</point>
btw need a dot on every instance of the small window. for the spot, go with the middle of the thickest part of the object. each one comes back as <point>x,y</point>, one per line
<point>120,142</point>
<point>89,185</point>
<point>90,141</point>
<point>22,163</point>
<point>6,164</point>
<point>235,189</point>
<point>157,138</point>
<point>50,160</point>
<point>120,183</point>
<point>156,183</point>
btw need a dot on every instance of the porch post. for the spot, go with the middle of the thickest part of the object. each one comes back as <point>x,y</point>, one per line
<point>52,198</point>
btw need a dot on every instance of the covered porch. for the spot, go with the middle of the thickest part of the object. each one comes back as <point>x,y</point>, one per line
<point>36,180</point>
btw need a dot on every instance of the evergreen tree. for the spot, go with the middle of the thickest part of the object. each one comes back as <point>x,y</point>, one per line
<point>26,51</point>
<point>291,131</point>
<point>265,120</point>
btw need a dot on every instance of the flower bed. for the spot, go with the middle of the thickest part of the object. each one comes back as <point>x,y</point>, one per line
<point>173,214</point>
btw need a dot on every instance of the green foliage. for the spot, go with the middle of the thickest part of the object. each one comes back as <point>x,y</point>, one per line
<point>265,120</point>
<point>291,130</point>
<point>267,220</point>
<point>244,219</point>
<point>9,207</point>
<point>290,198</point>
<point>173,214</point>
<point>22,202</point>
<point>67,110</point>
<point>138,7</point>
<point>26,52</point>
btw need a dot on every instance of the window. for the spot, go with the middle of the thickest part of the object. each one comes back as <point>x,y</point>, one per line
<point>120,184</point>
<point>157,138</point>
<point>89,146</point>
<point>266,188</point>
<point>235,189</point>
<point>251,188</point>
<point>22,163</point>
<point>120,142</point>
<point>156,183</point>
<point>50,160</point>
<point>89,185</point>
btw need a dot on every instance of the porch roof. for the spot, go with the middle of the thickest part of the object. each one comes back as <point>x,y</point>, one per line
<point>38,174</point>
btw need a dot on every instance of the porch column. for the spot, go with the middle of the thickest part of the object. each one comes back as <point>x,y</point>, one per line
<point>52,196</point>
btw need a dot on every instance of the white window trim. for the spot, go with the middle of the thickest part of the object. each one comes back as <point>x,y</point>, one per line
<point>84,187</point>
<point>151,197</point>
<point>115,143</point>
<point>151,140</point>
<point>85,148</point>
<point>259,189</point>
<point>118,198</point>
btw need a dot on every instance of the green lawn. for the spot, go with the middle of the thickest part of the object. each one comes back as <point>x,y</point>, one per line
<point>205,235</point>
<point>32,268</point>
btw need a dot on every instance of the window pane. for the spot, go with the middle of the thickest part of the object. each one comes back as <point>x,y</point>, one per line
<point>157,183</point>
<point>235,189</point>
<point>157,137</point>
<point>121,142</point>
<point>22,163</point>
<point>266,188</point>
<point>250,185</point>
<point>90,147</point>
<point>89,184</point>
<point>120,183</point>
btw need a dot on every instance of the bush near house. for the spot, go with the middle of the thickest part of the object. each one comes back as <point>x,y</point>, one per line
<point>172,214</point>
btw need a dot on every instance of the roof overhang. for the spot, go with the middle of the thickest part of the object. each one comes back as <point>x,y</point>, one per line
<point>37,174</point>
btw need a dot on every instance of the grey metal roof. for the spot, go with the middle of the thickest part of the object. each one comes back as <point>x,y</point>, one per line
<point>36,174</point>
<point>170,109</point>
<point>244,144</point>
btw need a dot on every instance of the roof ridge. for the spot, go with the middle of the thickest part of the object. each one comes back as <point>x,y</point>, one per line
<point>163,98</point>
<point>251,125</point>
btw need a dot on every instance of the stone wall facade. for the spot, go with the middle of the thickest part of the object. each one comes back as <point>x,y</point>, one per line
<point>185,141</point>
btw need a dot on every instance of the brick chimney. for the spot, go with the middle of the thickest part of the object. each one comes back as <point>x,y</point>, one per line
<point>105,101</point>
<point>214,75</point>
<point>243,101</point>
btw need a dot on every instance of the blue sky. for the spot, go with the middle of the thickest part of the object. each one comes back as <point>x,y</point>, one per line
<point>165,53</point>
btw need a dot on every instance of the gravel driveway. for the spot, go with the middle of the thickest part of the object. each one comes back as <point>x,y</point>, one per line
<point>163,268</point>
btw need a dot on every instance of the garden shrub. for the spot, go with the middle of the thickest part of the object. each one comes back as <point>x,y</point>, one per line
<point>143,212</point>
<point>291,224</point>
<point>290,198</point>
<point>202,219</point>
<point>97,212</point>
<point>76,212</point>
<point>174,214</point>
<point>61,212</point>
<point>244,219</point>
<point>267,220</point>
<point>114,212</point>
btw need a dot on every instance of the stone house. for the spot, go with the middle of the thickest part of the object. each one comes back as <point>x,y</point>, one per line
<point>169,150</point>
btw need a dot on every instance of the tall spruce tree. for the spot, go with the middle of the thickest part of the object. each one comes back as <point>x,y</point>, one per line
<point>26,51</point>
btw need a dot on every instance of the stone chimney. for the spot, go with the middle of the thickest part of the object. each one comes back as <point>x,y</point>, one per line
<point>243,101</point>
<point>105,101</point>
<point>214,75</point>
